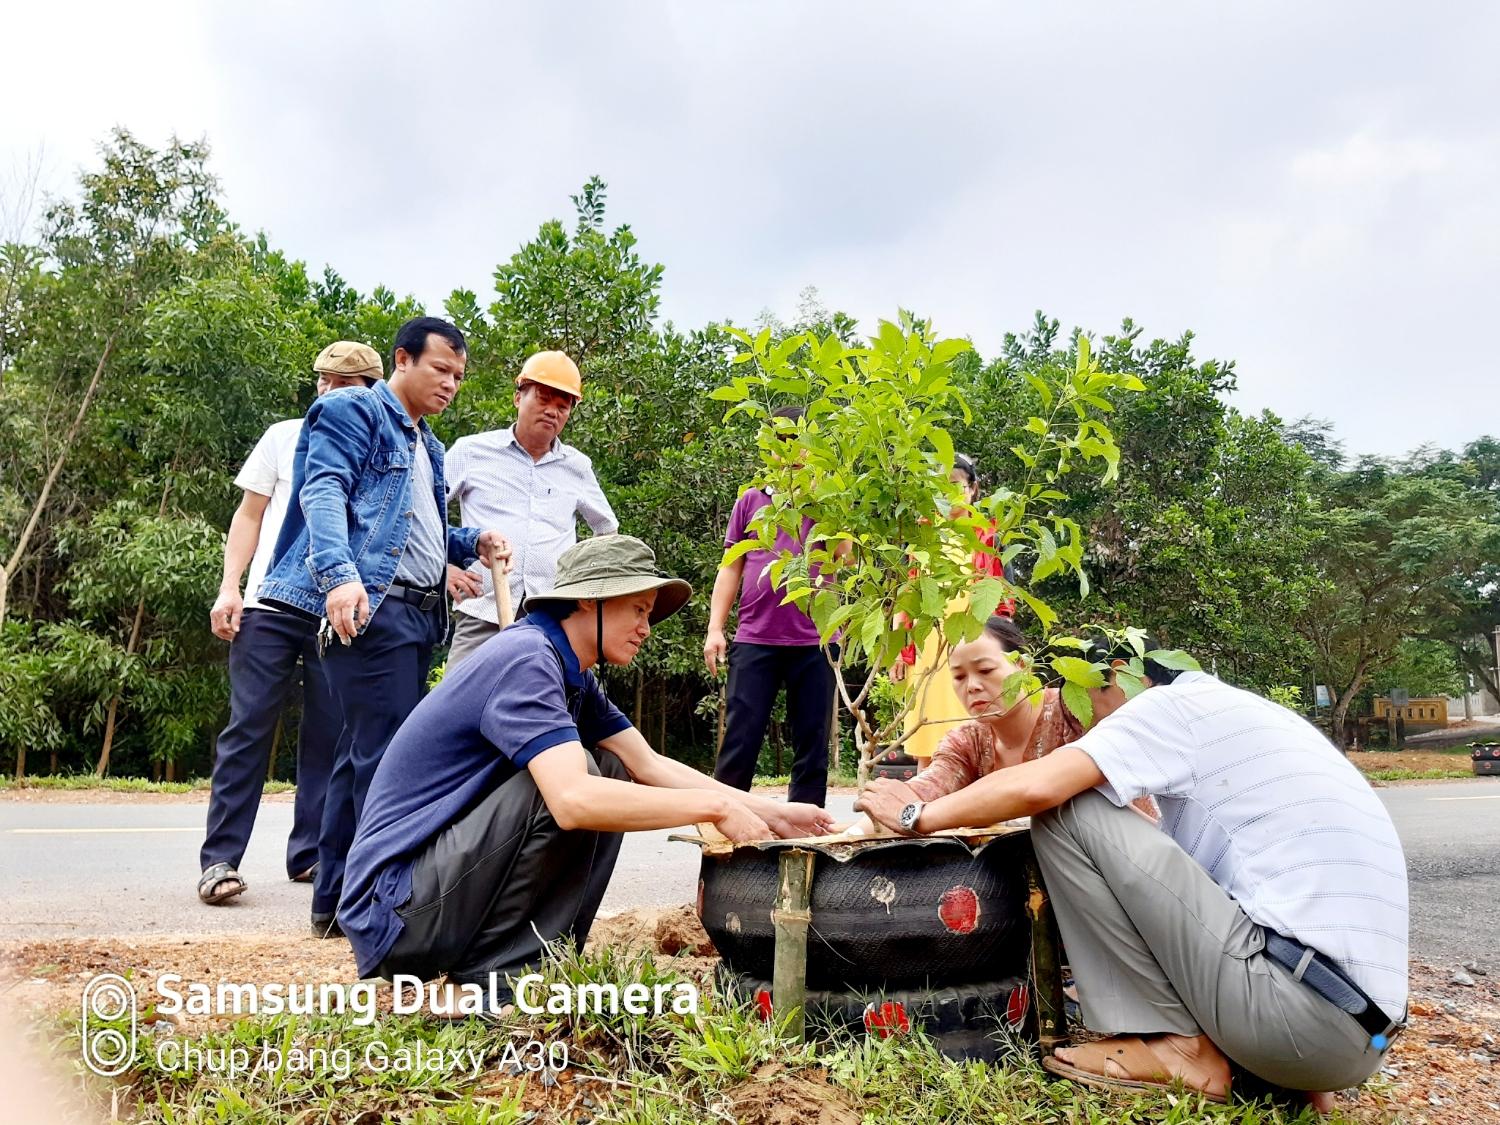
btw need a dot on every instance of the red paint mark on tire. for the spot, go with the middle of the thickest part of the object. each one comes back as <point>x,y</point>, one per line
<point>959,909</point>
<point>1016,1005</point>
<point>763,1004</point>
<point>888,1019</point>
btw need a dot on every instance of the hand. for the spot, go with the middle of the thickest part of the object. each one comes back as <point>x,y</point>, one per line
<point>348,610</point>
<point>464,584</point>
<point>883,799</point>
<point>224,618</point>
<point>493,546</point>
<point>714,648</point>
<point>793,821</point>
<point>740,825</point>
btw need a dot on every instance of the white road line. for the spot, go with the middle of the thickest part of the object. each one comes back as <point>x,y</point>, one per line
<point>72,831</point>
<point>1486,797</point>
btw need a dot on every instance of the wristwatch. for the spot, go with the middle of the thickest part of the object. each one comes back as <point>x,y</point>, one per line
<point>909,816</point>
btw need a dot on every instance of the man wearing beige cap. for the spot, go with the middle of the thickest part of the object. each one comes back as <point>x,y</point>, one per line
<point>265,647</point>
<point>523,481</point>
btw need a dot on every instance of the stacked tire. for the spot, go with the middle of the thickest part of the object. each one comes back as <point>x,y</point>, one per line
<point>1486,758</point>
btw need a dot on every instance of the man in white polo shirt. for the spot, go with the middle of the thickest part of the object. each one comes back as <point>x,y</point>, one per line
<point>265,648</point>
<point>524,482</point>
<point>1265,922</point>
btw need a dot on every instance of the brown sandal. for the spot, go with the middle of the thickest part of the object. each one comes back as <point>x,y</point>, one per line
<point>1131,1054</point>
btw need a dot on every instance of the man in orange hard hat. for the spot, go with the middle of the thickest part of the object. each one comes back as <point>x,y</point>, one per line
<point>525,482</point>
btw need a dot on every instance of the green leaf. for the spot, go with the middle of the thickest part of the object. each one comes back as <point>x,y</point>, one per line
<point>1076,699</point>
<point>1130,683</point>
<point>1175,659</point>
<point>986,597</point>
<point>871,630</point>
<point>1078,671</point>
<point>932,598</point>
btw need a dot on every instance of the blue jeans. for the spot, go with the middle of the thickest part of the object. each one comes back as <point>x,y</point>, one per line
<point>263,664</point>
<point>377,680</point>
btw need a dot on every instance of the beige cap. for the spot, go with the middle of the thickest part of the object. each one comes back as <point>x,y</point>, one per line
<point>345,357</point>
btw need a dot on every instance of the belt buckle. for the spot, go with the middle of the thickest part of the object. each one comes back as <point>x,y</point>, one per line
<point>430,600</point>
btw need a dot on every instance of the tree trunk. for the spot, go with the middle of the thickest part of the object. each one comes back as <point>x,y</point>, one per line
<point>1338,724</point>
<point>114,703</point>
<point>135,632</point>
<point>57,466</point>
<point>640,689</point>
<point>661,743</point>
<point>21,762</point>
<point>53,764</point>
<point>171,769</point>
<point>835,743</point>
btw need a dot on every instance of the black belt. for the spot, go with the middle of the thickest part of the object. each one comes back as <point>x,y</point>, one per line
<point>1329,981</point>
<point>425,598</point>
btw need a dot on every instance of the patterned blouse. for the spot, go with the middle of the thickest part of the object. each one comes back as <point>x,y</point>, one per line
<point>970,752</point>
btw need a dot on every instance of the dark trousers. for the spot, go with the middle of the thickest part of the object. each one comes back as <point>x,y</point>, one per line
<point>756,673</point>
<point>262,668</point>
<point>489,889</point>
<point>377,680</point>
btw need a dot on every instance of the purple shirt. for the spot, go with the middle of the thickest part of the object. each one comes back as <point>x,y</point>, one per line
<point>763,619</point>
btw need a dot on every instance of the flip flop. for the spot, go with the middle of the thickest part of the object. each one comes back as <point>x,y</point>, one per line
<point>1132,1055</point>
<point>209,881</point>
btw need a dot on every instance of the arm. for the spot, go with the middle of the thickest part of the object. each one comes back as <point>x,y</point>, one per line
<point>721,601</point>
<point>239,549</point>
<point>1021,790</point>
<point>658,771</point>
<point>339,436</point>
<point>594,507</point>
<point>578,799</point>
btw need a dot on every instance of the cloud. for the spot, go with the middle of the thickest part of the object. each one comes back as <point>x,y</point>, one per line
<point>1308,187</point>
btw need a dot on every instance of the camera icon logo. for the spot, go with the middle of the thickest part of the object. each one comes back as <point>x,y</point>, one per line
<point>109,1024</point>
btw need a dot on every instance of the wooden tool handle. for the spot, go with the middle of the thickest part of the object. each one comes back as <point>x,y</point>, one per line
<point>502,592</point>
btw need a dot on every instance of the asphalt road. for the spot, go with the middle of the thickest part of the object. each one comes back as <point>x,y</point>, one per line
<point>87,870</point>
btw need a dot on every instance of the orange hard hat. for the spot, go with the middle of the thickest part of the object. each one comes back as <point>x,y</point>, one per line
<point>552,369</point>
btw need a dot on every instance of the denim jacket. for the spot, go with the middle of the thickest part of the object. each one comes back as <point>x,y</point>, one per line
<point>352,480</point>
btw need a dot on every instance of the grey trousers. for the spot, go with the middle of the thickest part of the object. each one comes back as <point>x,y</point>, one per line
<point>489,889</point>
<point>1157,947</point>
<point>468,634</point>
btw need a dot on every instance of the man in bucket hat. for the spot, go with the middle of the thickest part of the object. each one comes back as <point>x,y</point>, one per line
<point>494,820</point>
<point>266,648</point>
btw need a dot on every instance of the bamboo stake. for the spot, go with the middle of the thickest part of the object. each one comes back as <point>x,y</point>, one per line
<point>790,919</point>
<point>1046,971</point>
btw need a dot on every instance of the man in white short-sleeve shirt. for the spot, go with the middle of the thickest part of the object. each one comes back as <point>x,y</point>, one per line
<point>266,646</point>
<point>525,482</point>
<point>1264,922</point>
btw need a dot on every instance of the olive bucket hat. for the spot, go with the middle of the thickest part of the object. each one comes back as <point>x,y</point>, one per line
<point>613,566</point>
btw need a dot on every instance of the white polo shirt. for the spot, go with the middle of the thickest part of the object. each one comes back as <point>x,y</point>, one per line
<point>1274,813</point>
<point>268,472</point>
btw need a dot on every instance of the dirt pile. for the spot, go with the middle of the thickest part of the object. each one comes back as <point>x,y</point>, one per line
<point>774,1095</point>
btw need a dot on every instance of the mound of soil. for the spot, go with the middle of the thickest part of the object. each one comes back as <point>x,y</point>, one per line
<point>774,1095</point>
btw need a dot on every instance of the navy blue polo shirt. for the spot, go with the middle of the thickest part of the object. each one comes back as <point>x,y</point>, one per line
<point>520,693</point>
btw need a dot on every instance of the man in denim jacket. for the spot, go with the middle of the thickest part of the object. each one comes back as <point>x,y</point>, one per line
<point>366,547</point>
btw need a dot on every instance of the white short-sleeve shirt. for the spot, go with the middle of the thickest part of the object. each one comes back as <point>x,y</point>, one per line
<point>1274,813</point>
<point>268,472</point>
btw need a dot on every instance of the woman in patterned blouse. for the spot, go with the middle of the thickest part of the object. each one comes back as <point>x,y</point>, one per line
<point>997,736</point>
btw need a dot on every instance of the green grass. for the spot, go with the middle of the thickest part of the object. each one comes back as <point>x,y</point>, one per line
<point>1416,775</point>
<point>846,780</point>
<point>625,1070</point>
<point>123,784</point>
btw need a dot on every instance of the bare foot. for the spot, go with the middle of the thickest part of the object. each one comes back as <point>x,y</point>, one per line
<point>1321,1100</point>
<point>1193,1059</point>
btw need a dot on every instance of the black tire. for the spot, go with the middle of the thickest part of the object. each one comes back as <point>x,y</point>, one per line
<point>965,1022</point>
<point>884,919</point>
<point>1487,767</point>
<point>1486,751</point>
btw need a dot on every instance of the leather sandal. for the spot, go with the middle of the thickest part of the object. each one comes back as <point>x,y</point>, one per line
<point>1143,1070</point>
<point>212,879</point>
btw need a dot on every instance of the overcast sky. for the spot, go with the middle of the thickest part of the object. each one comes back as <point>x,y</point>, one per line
<point>1311,188</point>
